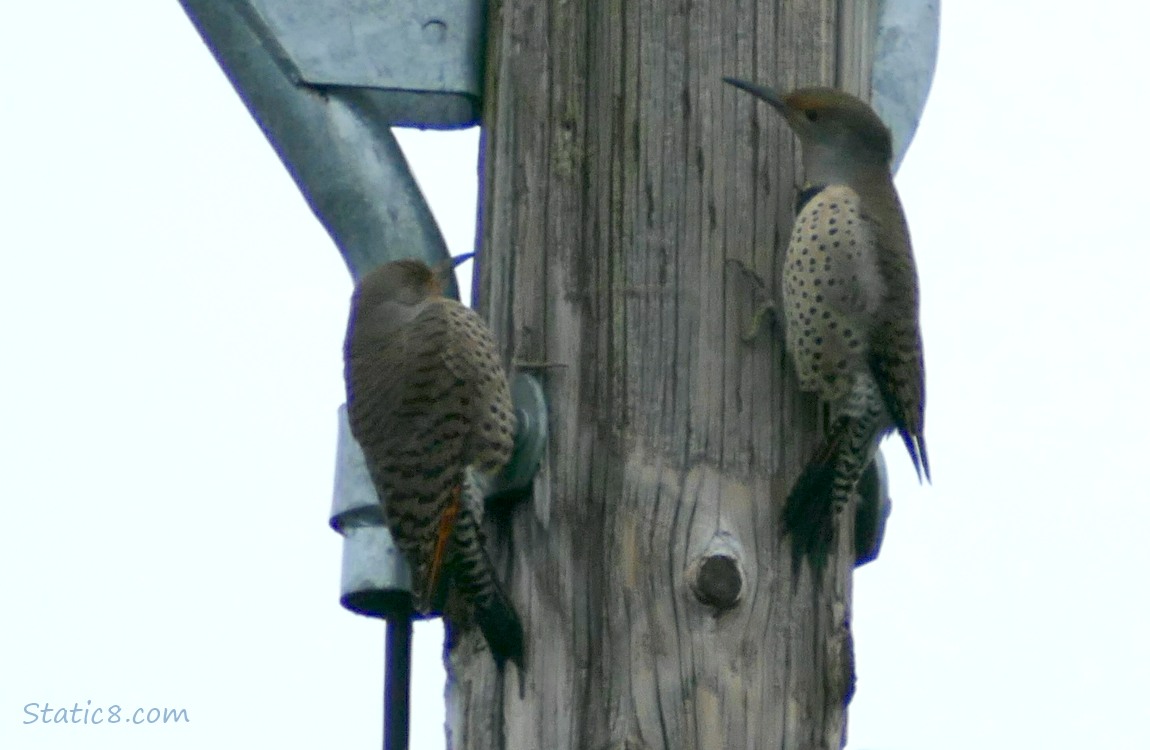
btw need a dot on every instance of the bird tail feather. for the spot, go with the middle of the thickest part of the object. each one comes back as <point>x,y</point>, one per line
<point>492,610</point>
<point>825,488</point>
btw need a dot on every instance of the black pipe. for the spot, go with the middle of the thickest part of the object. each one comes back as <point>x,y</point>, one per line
<point>397,682</point>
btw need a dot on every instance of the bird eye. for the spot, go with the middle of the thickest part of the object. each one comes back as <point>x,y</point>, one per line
<point>812,114</point>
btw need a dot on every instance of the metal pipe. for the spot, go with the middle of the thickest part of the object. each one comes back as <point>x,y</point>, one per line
<point>336,143</point>
<point>397,682</point>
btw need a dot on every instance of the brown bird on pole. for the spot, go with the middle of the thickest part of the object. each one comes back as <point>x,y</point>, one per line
<point>428,401</point>
<point>849,303</point>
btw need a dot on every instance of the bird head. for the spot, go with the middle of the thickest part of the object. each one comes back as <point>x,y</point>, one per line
<point>839,132</point>
<point>407,281</point>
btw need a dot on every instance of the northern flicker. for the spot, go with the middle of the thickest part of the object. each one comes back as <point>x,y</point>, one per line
<point>849,303</point>
<point>428,401</point>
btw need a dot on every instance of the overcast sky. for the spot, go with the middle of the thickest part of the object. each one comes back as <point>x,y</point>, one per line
<point>171,369</point>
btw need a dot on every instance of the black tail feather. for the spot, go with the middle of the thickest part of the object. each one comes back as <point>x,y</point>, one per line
<point>809,515</point>
<point>486,603</point>
<point>503,631</point>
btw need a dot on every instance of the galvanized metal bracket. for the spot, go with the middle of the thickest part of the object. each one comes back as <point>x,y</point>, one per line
<point>905,52</point>
<point>375,579</point>
<point>422,60</point>
<point>325,80</point>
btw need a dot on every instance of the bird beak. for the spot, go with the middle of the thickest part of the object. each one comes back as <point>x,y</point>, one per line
<point>766,93</point>
<point>445,267</point>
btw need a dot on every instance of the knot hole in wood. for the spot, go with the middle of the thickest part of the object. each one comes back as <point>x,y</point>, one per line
<point>717,577</point>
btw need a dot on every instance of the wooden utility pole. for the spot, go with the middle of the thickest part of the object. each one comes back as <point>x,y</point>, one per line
<point>620,177</point>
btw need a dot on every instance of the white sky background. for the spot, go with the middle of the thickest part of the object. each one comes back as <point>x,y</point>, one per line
<point>173,316</point>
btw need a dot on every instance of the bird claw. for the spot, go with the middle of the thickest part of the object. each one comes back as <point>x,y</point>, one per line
<point>751,332</point>
<point>764,310</point>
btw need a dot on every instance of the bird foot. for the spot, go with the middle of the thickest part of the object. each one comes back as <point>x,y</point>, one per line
<point>751,332</point>
<point>765,310</point>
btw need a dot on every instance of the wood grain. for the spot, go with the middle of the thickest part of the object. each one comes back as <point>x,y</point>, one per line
<point>619,177</point>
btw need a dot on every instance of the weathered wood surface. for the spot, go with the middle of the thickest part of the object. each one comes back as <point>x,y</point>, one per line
<point>619,175</point>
